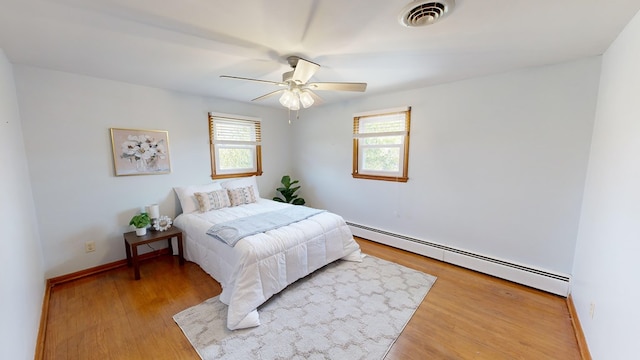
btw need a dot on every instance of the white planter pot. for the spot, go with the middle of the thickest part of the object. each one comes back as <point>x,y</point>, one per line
<point>141,231</point>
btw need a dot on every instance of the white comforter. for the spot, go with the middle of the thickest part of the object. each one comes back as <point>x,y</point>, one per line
<point>261,265</point>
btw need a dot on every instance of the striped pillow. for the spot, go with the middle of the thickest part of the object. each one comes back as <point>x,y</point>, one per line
<point>242,195</point>
<point>214,200</point>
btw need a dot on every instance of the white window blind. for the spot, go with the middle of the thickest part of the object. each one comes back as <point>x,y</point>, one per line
<point>234,131</point>
<point>383,125</point>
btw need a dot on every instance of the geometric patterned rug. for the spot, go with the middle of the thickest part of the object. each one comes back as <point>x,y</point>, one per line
<point>345,310</point>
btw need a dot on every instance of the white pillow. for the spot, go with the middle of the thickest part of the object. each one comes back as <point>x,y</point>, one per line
<point>186,195</point>
<point>242,182</point>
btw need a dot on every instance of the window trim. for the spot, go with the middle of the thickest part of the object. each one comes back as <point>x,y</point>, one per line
<point>257,143</point>
<point>404,152</point>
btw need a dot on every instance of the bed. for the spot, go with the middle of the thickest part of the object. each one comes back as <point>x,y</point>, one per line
<point>262,264</point>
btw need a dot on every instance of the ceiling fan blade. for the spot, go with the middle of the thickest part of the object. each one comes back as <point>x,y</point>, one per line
<point>268,95</point>
<point>338,86</point>
<point>254,80</point>
<point>304,71</point>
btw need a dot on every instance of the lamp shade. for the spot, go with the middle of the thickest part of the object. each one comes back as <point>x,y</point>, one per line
<point>153,211</point>
<point>306,99</point>
<point>287,98</point>
<point>295,103</point>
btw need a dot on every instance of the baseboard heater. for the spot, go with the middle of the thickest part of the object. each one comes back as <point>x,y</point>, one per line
<point>555,283</point>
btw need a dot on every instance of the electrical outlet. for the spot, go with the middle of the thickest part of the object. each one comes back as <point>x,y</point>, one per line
<point>90,246</point>
<point>592,309</point>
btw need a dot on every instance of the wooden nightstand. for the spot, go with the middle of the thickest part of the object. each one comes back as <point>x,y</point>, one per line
<point>132,241</point>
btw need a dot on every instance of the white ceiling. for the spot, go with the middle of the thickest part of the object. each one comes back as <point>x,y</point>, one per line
<point>186,45</point>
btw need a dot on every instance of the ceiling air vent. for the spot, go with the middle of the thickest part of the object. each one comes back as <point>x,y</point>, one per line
<point>422,13</point>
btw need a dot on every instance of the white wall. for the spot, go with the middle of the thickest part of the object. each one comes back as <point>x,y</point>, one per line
<point>22,281</point>
<point>606,265</point>
<point>497,164</point>
<point>66,120</point>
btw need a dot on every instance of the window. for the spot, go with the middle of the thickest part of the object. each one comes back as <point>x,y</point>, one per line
<point>235,146</point>
<point>381,144</point>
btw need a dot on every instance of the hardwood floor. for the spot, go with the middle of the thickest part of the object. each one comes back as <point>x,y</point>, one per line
<point>466,315</point>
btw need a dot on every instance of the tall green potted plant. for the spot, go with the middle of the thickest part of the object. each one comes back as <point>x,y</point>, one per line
<point>288,192</point>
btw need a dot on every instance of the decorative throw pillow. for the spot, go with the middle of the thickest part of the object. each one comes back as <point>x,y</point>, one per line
<point>186,195</point>
<point>243,195</point>
<point>212,200</point>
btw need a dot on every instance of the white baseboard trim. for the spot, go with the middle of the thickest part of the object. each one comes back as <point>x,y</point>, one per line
<point>549,281</point>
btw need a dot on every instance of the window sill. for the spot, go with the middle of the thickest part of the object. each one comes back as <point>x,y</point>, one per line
<point>379,177</point>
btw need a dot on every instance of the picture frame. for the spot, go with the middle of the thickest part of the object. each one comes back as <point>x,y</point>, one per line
<point>140,152</point>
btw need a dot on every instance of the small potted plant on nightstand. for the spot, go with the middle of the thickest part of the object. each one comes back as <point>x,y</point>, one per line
<point>140,221</point>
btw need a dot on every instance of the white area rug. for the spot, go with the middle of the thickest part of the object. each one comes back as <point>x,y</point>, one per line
<point>346,310</point>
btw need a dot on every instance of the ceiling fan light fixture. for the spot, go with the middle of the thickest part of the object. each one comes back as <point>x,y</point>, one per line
<point>290,99</point>
<point>306,99</point>
<point>295,104</point>
<point>287,98</point>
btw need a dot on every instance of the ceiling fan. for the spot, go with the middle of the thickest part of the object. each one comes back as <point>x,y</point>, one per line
<point>295,89</point>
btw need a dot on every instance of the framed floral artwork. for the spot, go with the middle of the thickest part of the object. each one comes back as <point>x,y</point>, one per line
<point>140,152</point>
